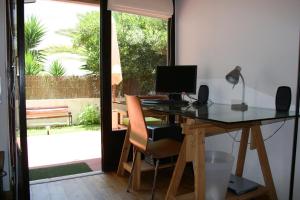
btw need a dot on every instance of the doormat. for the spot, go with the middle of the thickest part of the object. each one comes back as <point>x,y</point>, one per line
<point>57,171</point>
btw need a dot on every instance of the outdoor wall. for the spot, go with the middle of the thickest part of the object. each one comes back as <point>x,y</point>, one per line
<point>4,131</point>
<point>262,37</point>
<point>76,106</point>
<point>65,87</point>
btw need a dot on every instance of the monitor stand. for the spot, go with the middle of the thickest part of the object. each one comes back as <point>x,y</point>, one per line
<point>175,97</point>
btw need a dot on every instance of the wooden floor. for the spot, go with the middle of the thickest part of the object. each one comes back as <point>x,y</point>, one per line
<point>107,186</point>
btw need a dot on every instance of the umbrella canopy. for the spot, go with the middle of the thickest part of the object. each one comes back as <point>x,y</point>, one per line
<point>116,72</point>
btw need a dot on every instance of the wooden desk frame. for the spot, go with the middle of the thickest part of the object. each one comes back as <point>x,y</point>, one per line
<point>193,150</point>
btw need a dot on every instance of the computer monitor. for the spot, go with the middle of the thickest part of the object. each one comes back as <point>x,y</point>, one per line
<point>176,79</point>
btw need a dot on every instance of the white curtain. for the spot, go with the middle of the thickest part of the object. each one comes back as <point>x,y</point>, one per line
<point>162,9</point>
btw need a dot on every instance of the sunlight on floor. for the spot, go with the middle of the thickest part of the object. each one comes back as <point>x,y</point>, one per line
<point>62,148</point>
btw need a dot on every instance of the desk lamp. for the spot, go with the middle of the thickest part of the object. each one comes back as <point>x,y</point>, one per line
<point>233,78</point>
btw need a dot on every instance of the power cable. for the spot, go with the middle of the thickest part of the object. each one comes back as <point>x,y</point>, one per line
<point>265,139</point>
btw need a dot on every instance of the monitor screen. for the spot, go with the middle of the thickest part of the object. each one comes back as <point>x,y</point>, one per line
<point>176,79</point>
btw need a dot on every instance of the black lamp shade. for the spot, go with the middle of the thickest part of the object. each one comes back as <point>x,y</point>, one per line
<point>234,76</point>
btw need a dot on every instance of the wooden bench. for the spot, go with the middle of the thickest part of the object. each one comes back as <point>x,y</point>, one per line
<point>48,112</point>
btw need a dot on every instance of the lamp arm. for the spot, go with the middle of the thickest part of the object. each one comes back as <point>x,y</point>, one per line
<point>243,98</point>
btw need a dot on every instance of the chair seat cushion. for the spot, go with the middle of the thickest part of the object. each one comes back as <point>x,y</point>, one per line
<point>148,120</point>
<point>163,148</point>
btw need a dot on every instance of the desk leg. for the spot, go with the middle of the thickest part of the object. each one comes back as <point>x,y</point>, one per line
<point>136,182</point>
<point>264,162</point>
<point>242,152</point>
<point>199,164</point>
<point>125,153</point>
<point>178,171</point>
<point>192,150</point>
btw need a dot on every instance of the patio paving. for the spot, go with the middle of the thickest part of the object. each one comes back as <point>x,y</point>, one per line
<point>48,150</point>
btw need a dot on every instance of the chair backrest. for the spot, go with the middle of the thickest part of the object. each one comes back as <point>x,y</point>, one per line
<point>138,135</point>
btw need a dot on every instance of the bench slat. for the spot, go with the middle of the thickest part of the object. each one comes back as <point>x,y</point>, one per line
<point>48,112</point>
<point>46,107</point>
<point>29,112</point>
<point>45,117</point>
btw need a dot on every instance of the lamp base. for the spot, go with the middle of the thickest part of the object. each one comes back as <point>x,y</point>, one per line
<point>239,107</point>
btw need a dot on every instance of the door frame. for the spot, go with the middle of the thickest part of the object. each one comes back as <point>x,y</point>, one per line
<point>22,100</point>
<point>108,141</point>
<point>105,82</point>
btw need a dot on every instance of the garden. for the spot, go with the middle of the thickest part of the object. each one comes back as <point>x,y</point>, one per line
<point>88,120</point>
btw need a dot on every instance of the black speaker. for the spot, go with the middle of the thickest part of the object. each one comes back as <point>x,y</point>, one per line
<point>203,94</point>
<point>283,99</point>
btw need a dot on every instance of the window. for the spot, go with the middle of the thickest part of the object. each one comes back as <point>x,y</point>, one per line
<point>143,43</point>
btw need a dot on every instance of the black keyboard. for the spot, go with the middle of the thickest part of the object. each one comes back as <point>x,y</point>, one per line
<point>164,102</point>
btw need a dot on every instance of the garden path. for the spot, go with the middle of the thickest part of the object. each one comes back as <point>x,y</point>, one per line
<point>47,150</point>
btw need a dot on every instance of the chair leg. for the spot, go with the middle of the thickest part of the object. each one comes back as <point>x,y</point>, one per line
<point>132,170</point>
<point>154,180</point>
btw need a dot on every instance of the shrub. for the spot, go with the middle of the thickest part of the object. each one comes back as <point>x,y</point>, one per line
<point>57,69</point>
<point>32,65</point>
<point>89,116</point>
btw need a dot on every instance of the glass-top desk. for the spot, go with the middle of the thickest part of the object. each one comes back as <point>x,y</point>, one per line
<point>204,121</point>
<point>221,113</point>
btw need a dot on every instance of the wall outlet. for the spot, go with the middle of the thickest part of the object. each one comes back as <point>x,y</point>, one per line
<point>0,90</point>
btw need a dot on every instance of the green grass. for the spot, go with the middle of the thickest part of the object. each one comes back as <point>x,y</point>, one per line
<point>63,49</point>
<point>56,171</point>
<point>62,130</point>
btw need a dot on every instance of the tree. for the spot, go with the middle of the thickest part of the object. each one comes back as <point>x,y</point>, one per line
<point>142,44</point>
<point>86,37</point>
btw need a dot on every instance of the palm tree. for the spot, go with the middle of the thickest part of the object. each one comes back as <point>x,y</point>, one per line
<point>34,33</point>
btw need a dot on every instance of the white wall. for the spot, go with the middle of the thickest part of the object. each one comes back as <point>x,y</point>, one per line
<point>4,130</point>
<point>262,37</point>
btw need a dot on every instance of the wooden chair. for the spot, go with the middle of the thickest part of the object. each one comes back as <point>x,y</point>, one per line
<point>139,138</point>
